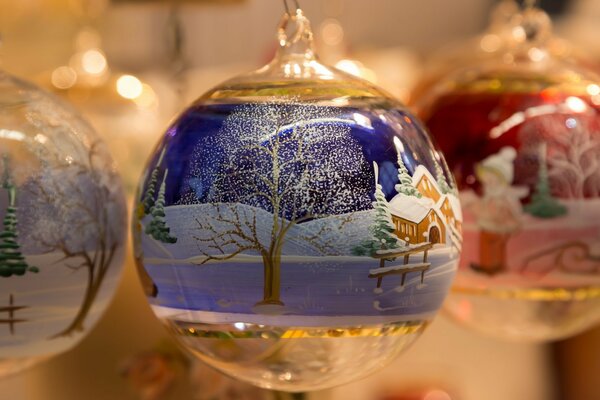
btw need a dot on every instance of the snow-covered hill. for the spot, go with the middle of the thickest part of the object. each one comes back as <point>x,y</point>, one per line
<point>184,223</point>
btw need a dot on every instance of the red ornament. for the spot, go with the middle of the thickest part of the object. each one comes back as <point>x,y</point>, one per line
<point>522,136</point>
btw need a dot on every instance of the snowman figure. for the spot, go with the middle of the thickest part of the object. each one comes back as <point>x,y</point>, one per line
<point>498,211</point>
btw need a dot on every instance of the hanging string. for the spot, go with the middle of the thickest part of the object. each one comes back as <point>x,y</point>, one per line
<point>287,8</point>
<point>299,35</point>
<point>176,45</point>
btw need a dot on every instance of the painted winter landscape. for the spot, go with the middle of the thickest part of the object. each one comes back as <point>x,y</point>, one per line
<point>297,214</point>
<point>544,230</point>
<point>61,238</point>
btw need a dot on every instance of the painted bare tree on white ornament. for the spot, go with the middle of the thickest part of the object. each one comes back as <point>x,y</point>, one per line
<point>570,146</point>
<point>78,210</point>
<point>574,157</point>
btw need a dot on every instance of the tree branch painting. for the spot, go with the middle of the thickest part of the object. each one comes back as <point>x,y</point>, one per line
<point>286,167</point>
<point>78,212</point>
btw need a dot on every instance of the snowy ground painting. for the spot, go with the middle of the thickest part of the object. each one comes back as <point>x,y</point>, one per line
<point>312,285</point>
<point>532,252</point>
<point>50,307</point>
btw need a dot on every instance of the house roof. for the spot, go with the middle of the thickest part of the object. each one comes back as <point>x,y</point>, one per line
<point>416,209</point>
<point>454,204</point>
<point>421,172</point>
<point>409,207</point>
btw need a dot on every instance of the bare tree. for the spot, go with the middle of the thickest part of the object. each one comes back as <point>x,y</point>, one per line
<point>77,210</point>
<point>295,163</point>
<point>574,156</point>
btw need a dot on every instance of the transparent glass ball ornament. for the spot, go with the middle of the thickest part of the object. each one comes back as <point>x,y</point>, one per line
<point>521,133</point>
<point>63,226</point>
<point>295,227</point>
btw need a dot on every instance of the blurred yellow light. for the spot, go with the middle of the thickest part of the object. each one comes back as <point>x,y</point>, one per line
<point>147,98</point>
<point>332,32</point>
<point>495,84</point>
<point>40,138</point>
<point>593,89</point>
<point>349,66</point>
<point>576,104</point>
<point>63,77</point>
<point>490,43</point>
<point>356,68</point>
<point>129,87</point>
<point>9,134</point>
<point>93,62</point>
<point>519,34</point>
<point>536,55</point>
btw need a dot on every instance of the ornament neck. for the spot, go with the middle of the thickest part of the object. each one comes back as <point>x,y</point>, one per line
<point>531,30</point>
<point>296,45</point>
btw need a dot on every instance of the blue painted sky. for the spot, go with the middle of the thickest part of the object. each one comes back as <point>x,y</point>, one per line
<point>374,130</point>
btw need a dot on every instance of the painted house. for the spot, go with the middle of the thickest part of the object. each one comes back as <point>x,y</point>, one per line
<point>416,220</point>
<point>426,184</point>
<point>449,206</point>
<point>429,218</point>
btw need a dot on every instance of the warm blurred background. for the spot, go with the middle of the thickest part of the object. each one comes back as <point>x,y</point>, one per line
<point>130,65</point>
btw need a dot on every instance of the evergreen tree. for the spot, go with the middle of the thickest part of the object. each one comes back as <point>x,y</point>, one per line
<point>158,228</point>
<point>149,200</point>
<point>441,177</point>
<point>12,262</point>
<point>543,204</point>
<point>383,232</point>
<point>405,186</point>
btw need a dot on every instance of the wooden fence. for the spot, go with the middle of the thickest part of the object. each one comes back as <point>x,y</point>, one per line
<point>11,310</point>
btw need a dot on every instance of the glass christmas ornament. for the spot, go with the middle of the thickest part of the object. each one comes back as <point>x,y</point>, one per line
<point>63,226</point>
<point>522,136</point>
<point>295,227</point>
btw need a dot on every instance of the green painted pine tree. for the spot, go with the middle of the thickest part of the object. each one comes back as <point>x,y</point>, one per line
<point>12,261</point>
<point>149,199</point>
<point>441,177</point>
<point>543,204</point>
<point>405,186</point>
<point>158,228</point>
<point>383,232</point>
